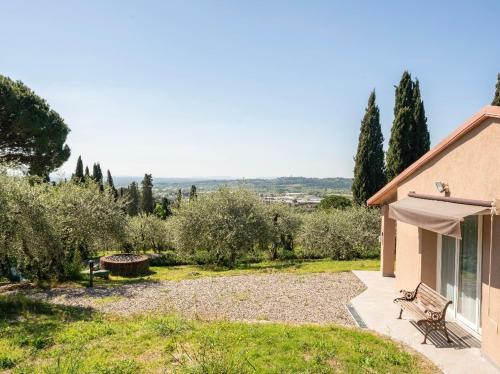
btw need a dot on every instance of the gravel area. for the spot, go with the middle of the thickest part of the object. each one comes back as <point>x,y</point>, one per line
<point>312,298</point>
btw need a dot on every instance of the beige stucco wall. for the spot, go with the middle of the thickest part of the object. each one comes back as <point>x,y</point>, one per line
<point>471,167</point>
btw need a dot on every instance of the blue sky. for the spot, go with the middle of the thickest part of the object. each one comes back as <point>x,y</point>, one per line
<point>244,88</point>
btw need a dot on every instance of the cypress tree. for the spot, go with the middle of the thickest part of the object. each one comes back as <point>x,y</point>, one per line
<point>192,193</point>
<point>496,99</point>
<point>421,132</point>
<point>111,185</point>
<point>399,153</point>
<point>409,133</point>
<point>78,176</point>
<point>369,173</point>
<point>87,173</point>
<point>147,203</point>
<point>133,204</point>
<point>178,198</point>
<point>97,175</point>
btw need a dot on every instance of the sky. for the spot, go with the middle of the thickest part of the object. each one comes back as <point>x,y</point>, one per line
<point>244,88</point>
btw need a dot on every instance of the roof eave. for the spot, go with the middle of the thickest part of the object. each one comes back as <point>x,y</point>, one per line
<point>489,111</point>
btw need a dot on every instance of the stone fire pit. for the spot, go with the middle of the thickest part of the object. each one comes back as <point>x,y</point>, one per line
<point>125,264</point>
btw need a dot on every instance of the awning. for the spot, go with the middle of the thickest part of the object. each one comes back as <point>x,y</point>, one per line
<point>438,216</point>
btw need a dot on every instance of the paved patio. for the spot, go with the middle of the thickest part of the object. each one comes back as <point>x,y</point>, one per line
<point>379,313</point>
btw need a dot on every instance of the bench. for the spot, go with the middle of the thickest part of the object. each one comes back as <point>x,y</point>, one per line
<point>428,306</point>
<point>96,273</point>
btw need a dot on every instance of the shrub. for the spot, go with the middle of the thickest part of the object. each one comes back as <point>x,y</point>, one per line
<point>335,202</point>
<point>146,232</point>
<point>169,258</point>
<point>340,234</point>
<point>226,224</point>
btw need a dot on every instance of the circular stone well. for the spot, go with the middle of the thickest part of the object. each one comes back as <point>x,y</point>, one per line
<point>125,264</point>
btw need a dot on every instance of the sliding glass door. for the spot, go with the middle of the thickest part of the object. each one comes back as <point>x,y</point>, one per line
<point>468,274</point>
<point>459,270</point>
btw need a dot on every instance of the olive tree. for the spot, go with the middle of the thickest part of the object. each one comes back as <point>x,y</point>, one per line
<point>148,232</point>
<point>340,234</point>
<point>45,230</point>
<point>284,224</point>
<point>227,224</point>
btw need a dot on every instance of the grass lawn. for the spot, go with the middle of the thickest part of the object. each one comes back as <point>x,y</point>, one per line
<point>159,273</point>
<point>40,338</point>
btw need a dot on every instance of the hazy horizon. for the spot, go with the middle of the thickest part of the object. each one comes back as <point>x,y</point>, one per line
<point>244,88</point>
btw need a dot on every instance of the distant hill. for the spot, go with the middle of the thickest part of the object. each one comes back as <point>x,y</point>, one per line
<point>315,186</point>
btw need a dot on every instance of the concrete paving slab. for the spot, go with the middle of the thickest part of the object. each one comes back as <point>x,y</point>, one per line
<point>380,314</point>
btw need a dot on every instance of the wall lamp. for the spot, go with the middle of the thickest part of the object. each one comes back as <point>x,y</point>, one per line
<point>442,187</point>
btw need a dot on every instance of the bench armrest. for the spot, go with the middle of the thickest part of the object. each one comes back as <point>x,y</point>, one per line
<point>407,295</point>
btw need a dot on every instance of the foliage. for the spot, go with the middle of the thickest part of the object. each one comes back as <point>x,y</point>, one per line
<point>192,193</point>
<point>78,176</point>
<point>369,170</point>
<point>334,202</point>
<point>96,343</point>
<point>163,209</point>
<point>178,198</point>
<point>496,99</point>
<point>46,229</point>
<point>284,224</point>
<point>227,224</point>
<point>133,199</point>
<point>145,232</point>
<point>97,173</point>
<point>147,201</point>
<point>110,185</point>
<point>409,133</point>
<point>340,234</point>
<point>32,133</point>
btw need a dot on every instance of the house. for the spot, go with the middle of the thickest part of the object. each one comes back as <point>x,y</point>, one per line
<point>441,226</point>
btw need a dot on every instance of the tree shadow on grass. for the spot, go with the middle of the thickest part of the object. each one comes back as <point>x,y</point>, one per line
<point>32,323</point>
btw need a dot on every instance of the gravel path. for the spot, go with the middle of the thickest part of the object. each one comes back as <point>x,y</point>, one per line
<point>312,298</point>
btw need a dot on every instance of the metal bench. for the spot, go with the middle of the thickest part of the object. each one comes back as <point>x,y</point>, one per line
<point>428,306</point>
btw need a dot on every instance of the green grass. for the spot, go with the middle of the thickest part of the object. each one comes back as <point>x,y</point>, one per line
<point>160,273</point>
<point>40,338</point>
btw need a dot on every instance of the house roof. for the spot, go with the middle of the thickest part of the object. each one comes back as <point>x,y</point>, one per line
<point>489,111</point>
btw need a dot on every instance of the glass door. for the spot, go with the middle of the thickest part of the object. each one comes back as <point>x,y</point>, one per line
<point>459,272</point>
<point>468,273</point>
<point>447,273</point>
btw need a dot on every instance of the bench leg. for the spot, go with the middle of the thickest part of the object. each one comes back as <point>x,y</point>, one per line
<point>426,333</point>
<point>400,313</point>
<point>446,333</point>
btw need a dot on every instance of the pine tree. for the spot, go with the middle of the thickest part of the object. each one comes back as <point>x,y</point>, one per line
<point>133,195</point>
<point>147,202</point>
<point>409,133</point>
<point>178,198</point>
<point>192,193</point>
<point>496,99</point>
<point>78,176</point>
<point>369,173</point>
<point>421,132</point>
